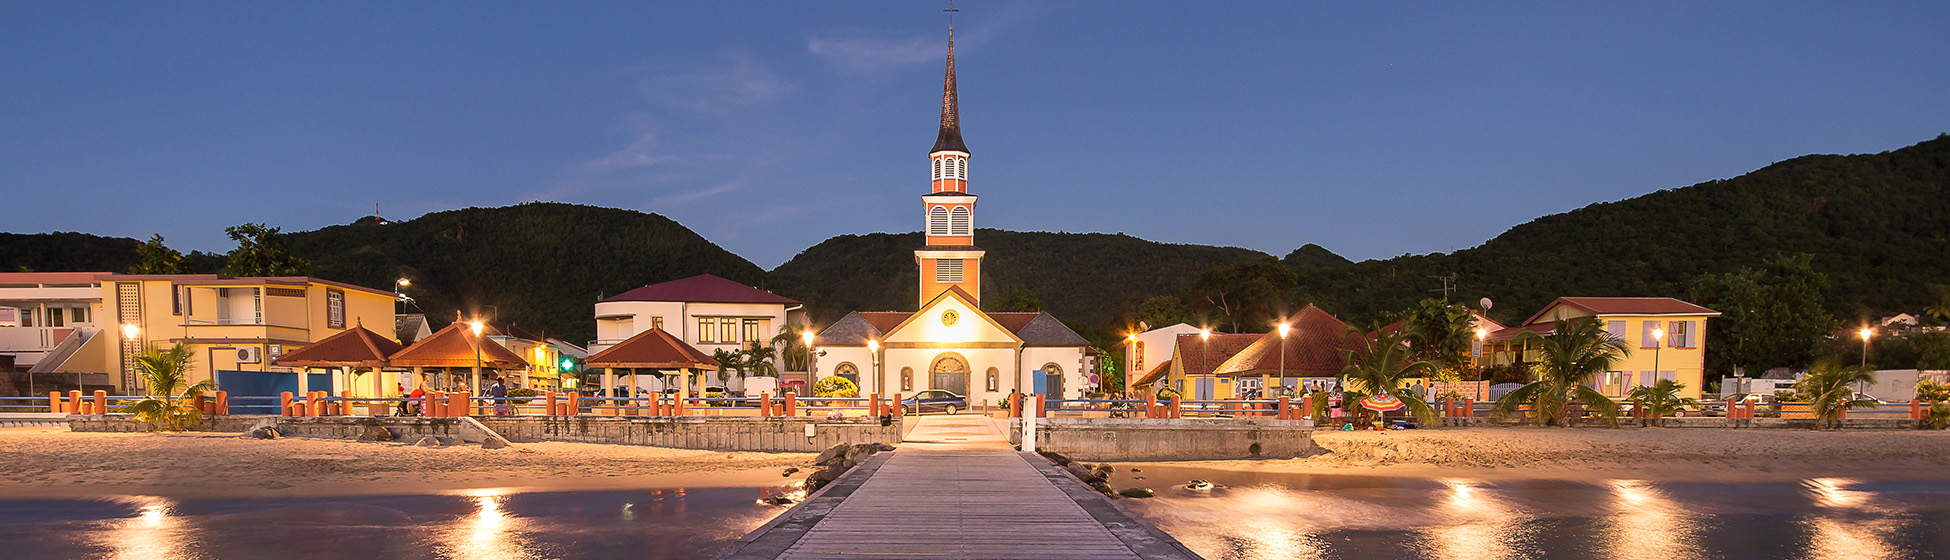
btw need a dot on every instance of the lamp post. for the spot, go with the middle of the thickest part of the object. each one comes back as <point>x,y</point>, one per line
<point>873,351</point>
<point>1866,332</point>
<point>399,294</point>
<point>1482,352</point>
<point>1658,342</point>
<point>476,387</point>
<point>1284,329</point>
<point>1130,361</point>
<point>129,333</point>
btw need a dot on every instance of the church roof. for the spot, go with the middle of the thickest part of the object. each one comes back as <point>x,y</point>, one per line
<point>1040,329</point>
<point>950,138</point>
<point>454,347</point>
<point>1312,349</point>
<point>653,349</point>
<point>356,347</point>
<point>703,288</point>
<point>1036,328</point>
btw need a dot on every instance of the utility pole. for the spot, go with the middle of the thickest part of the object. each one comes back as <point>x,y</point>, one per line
<point>1448,285</point>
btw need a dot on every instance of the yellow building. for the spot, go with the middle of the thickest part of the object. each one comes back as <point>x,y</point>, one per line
<point>231,324</point>
<point>1666,337</point>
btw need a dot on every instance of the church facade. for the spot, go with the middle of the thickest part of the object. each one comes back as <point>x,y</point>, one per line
<point>949,343</point>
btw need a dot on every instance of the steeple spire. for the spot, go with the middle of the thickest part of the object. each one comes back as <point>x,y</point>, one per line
<point>950,138</point>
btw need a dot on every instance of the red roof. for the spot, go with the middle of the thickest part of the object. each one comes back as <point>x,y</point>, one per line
<point>50,277</point>
<point>1157,372</point>
<point>653,349</point>
<point>1627,306</point>
<point>454,347</point>
<point>357,347</point>
<point>1200,356</point>
<point>703,288</point>
<point>1513,332</point>
<point>1313,348</point>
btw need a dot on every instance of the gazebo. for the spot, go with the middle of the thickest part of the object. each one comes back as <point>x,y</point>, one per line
<point>349,352</point>
<point>457,348</point>
<point>655,350</point>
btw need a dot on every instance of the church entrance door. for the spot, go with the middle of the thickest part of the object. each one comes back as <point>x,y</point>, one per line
<point>951,374</point>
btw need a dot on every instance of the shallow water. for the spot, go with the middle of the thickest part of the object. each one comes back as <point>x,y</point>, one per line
<point>1266,516</point>
<point>478,524</point>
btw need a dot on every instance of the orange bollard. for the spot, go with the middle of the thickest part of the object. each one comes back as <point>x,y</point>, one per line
<point>765,404</point>
<point>1469,408</point>
<point>1638,408</point>
<point>1915,409</point>
<point>344,407</point>
<point>1015,405</point>
<point>898,409</point>
<point>574,405</point>
<point>1177,408</point>
<point>549,408</point>
<point>200,404</point>
<point>74,400</point>
<point>1285,412</point>
<point>54,404</point>
<point>677,405</point>
<point>791,404</point>
<point>101,401</point>
<point>1151,405</point>
<point>284,403</point>
<point>223,403</point>
<point>873,404</point>
<point>460,403</point>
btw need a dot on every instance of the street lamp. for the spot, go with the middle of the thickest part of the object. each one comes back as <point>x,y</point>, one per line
<point>1284,329</point>
<point>807,337</point>
<point>129,333</point>
<point>1866,333</point>
<point>873,349</point>
<point>399,293</point>
<point>1658,342</point>
<point>1482,351</point>
<point>476,327</point>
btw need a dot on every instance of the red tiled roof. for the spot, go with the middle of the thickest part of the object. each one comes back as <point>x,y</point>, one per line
<point>1157,372</point>
<point>1627,306</point>
<point>50,277</point>
<point>653,349</point>
<point>703,288</point>
<point>1513,332</point>
<point>1312,349</point>
<point>356,347</point>
<point>454,347</point>
<point>1199,356</point>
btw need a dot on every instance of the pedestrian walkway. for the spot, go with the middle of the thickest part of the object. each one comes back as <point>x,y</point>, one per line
<point>957,490</point>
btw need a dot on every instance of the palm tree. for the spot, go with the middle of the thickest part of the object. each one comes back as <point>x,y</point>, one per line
<point>728,361</point>
<point>794,345</point>
<point>1381,367</point>
<point>167,374</point>
<point>1662,399</point>
<point>1827,389</point>
<point>759,360</point>
<point>1577,350</point>
<point>1941,309</point>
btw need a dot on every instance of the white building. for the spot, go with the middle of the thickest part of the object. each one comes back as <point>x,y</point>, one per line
<point>705,311</point>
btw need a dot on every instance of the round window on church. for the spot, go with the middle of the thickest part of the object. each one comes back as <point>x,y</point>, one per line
<point>950,317</point>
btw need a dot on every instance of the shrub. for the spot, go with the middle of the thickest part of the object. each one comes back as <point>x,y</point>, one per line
<point>521,392</point>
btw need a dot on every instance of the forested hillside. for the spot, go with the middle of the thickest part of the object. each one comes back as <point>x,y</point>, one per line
<point>1878,226</point>
<point>66,252</point>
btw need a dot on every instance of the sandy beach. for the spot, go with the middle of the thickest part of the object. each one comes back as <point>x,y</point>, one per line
<point>1702,455</point>
<point>53,462</point>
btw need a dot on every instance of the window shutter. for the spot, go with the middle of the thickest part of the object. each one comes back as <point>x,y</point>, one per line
<point>938,221</point>
<point>960,224</point>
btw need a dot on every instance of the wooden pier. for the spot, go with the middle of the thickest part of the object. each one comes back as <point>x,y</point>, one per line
<point>956,491</point>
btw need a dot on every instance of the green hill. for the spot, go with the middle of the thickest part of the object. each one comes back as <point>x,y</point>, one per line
<point>541,265</point>
<point>66,252</point>
<point>1877,224</point>
<point>1086,277</point>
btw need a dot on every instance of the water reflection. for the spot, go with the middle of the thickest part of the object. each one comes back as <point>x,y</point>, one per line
<point>489,533</point>
<point>153,533</point>
<point>1847,525</point>
<point>1477,525</point>
<point>1647,524</point>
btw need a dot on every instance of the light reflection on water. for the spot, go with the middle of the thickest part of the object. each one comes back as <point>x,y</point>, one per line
<point>673,524</point>
<point>1260,516</point>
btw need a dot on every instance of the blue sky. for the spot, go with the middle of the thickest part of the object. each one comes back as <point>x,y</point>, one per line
<point>1371,128</point>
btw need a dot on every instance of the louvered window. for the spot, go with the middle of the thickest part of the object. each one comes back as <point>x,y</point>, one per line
<point>947,271</point>
<point>938,221</point>
<point>961,169</point>
<point>939,167</point>
<point>959,223</point>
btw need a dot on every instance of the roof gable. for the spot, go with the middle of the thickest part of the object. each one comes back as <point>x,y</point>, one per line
<point>1584,306</point>
<point>1312,348</point>
<point>970,325</point>
<point>356,347</point>
<point>703,288</point>
<point>653,349</point>
<point>455,346</point>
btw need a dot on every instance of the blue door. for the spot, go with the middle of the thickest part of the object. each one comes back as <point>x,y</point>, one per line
<point>264,384</point>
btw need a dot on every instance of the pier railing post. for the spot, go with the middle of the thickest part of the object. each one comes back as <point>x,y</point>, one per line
<point>765,404</point>
<point>1041,409</point>
<point>1177,410</point>
<point>1286,413</point>
<point>1151,405</point>
<point>898,409</point>
<point>284,403</point>
<point>792,404</point>
<point>223,402</point>
<point>873,404</point>
<point>101,401</point>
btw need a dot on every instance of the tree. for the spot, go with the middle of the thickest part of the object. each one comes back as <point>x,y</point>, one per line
<point>728,362</point>
<point>1930,391</point>
<point>1941,308</point>
<point>1575,352</point>
<point>759,358</point>
<point>1662,399</point>
<point>167,374</point>
<point>795,348</point>
<point>1163,311</point>
<point>262,251</point>
<point>159,259</point>
<point>1827,388</point>
<point>1769,317</point>
<point>1248,295</point>
<point>1110,367</point>
<point>1381,366</point>
<point>1441,331</point>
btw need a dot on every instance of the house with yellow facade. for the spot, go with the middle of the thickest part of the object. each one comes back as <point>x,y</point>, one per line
<point>1666,338</point>
<point>235,327</point>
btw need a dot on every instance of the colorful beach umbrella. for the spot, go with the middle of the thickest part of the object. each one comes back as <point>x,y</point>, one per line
<point>1382,403</point>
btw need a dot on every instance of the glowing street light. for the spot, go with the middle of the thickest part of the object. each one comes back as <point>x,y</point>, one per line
<point>477,327</point>
<point>1482,351</point>
<point>130,331</point>
<point>873,350</point>
<point>1284,329</point>
<point>1865,333</point>
<point>1658,342</point>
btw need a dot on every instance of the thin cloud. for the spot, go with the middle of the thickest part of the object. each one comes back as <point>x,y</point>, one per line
<point>716,87</point>
<point>860,54</point>
<point>686,198</point>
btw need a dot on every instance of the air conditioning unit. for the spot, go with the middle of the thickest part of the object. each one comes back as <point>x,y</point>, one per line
<point>250,355</point>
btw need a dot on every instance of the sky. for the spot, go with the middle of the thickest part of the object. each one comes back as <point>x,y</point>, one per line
<point>1373,129</point>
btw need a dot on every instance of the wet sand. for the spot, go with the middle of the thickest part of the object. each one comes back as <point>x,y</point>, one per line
<point>56,463</point>
<point>1677,455</point>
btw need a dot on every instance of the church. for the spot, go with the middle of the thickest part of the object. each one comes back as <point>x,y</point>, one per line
<point>949,343</point>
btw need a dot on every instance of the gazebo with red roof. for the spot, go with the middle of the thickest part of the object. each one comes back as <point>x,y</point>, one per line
<point>654,350</point>
<point>349,351</point>
<point>458,348</point>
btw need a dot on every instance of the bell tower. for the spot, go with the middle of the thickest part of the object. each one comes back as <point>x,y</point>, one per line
<point>950,258</point>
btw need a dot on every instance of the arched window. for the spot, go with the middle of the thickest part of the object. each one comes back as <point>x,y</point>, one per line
<point>907,379</point>
<point>959,223</point>
<point>848,371</point>
<point>938,221</point>
<point>961,166</point>
<point>937,169</point>
<point>1137,361</point>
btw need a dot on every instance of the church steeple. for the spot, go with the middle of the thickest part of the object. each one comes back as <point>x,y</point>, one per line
<point>950,259</point>
<point>949,140</point>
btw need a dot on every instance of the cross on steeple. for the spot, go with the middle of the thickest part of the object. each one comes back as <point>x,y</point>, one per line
<point>951,18</point>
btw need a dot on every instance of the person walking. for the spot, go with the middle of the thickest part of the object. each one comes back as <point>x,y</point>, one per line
<point>500,394</point>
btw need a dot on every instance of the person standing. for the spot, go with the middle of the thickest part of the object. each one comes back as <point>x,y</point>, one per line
<point>500,393</point>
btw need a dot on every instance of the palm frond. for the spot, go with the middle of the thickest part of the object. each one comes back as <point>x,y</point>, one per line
<point>1597,402</point>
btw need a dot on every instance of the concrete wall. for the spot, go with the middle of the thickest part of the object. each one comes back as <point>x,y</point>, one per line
<point>1133,439</point>
<point>1885,423</point>
<point>718,434</point>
